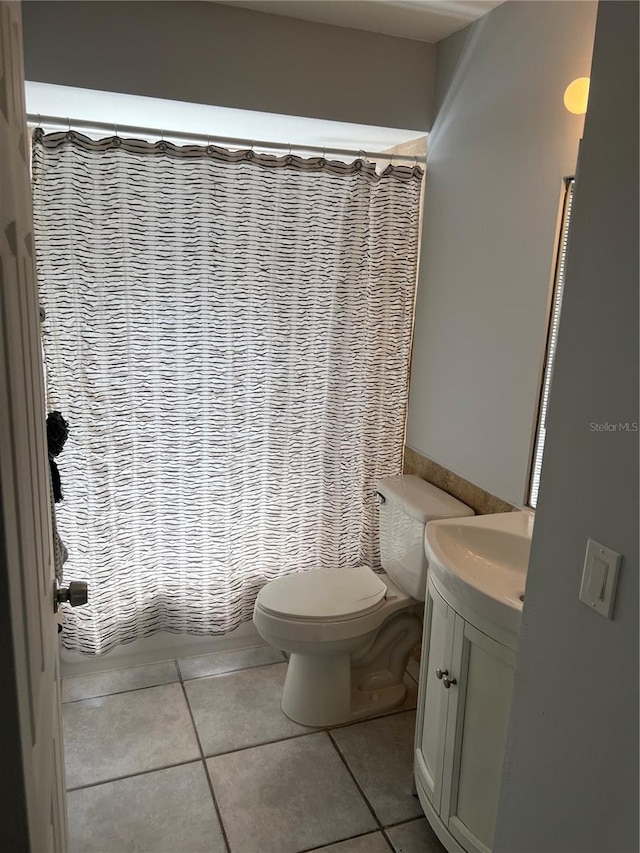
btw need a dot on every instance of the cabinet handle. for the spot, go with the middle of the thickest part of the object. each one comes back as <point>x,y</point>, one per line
<point>441,672</point>
<point>448,681</point>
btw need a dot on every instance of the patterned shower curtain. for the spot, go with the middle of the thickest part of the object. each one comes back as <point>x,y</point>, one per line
<point>228,336</point>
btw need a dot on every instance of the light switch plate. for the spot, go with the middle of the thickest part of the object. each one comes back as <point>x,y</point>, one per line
<point>599,578</point>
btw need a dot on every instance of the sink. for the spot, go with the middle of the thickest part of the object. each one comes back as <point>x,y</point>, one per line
<point>483,561</point>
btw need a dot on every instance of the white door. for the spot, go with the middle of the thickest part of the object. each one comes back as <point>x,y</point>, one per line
<point>431,725</point>
<point>32,810</point>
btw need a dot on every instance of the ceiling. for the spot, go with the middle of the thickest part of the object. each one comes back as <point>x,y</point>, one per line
<point>422,20</point>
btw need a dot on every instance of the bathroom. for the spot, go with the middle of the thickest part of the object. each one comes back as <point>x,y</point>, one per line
<point>230,770</point>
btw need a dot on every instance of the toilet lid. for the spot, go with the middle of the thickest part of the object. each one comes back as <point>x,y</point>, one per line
<point>323,594</point>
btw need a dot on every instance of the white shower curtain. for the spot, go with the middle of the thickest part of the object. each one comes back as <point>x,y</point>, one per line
<point>228,335</point>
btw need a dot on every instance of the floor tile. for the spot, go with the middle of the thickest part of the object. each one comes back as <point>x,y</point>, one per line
<point>374,842</point>
<point>228,661</point>
<point>415,837</point>
<point>127,733</point>
<point>380,755</point>
<point>163,812</point>
<point>118,680</point>
<point>240,709</point>
<point>287,796</point>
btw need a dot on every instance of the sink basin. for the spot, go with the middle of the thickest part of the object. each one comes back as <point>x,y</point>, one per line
<point>483,561</point>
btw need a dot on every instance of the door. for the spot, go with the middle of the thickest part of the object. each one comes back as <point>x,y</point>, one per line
<point>32,816</point>
<point>478,715</point>
<point>431,725</point>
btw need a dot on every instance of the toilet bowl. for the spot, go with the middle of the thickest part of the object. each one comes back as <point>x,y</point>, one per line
<point>349,632</point>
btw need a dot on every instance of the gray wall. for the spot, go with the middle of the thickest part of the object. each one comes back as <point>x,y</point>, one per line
<point>501,144</point>
<point>571,768</point>
<point>209,54</point>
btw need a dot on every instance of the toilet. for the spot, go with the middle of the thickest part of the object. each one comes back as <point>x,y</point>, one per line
<point>349,632</point>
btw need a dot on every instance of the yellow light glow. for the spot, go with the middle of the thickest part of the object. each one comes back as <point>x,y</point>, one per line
<point>576,96</point>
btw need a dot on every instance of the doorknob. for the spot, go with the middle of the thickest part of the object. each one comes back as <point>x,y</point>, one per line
<point>448,681</point>
<point>76,594</point>
<point>441,672</point>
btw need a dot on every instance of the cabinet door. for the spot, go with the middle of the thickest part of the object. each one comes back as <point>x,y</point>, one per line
<point>437,646</point>
<point>476,732</point>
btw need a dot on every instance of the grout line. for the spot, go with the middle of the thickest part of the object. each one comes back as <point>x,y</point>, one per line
<point>131,775</point>
<point>177,668</point>
<point>120,692</point>
<point>232,671</point>
<point>402,822</point>
<point>181,679</point>
<point>126,664</point>
<point>265,743</point>
<point>387,839</point>
<point>381,716</point>
<point>357,784</point>
<point>89,673</point>
<point>206,771</point>
<point>311,730</point>
<point>216,806</point>
<point>340,841</point>
<point>230,651</point>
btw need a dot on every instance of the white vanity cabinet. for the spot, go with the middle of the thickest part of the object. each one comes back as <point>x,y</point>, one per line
<point>463,710</point>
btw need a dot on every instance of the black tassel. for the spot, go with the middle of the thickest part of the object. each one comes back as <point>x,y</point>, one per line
<point>57,434</point>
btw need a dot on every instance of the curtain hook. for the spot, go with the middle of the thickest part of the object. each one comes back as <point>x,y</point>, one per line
<point>69,124</point>
<point>253,145</point>
<point>115,130</point>
<point>39,121</point>
<point>289,155</point>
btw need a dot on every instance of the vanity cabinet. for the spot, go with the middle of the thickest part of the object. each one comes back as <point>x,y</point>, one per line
<point>463,710</point>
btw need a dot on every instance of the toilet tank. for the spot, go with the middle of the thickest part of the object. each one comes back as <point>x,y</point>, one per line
<point>407,503</point>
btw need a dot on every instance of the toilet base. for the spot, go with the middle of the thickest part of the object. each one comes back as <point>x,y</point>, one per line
<point>370,702</point>
<point>318,692</point>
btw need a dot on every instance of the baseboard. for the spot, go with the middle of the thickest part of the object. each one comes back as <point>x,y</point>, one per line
<point>161,646</point>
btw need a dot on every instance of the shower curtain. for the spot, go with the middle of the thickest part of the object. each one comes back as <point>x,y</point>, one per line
<point>228,336</point>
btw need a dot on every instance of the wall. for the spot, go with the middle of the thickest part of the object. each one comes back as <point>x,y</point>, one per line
<point>571,767</point>
<point>210,54</point>
<point>500,145</point>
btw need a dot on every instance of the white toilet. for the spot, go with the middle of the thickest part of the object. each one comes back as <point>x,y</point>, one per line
<point>349,632</point>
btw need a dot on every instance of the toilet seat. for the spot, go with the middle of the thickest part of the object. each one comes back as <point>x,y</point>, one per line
<point>324,595</point>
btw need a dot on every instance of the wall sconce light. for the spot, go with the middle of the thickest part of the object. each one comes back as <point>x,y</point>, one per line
<point>576,96</point>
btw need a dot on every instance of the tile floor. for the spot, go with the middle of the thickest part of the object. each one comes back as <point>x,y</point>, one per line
<point>196,755</point>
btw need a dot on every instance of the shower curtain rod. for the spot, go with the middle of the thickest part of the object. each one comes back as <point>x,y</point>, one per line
<point>116,129</point>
